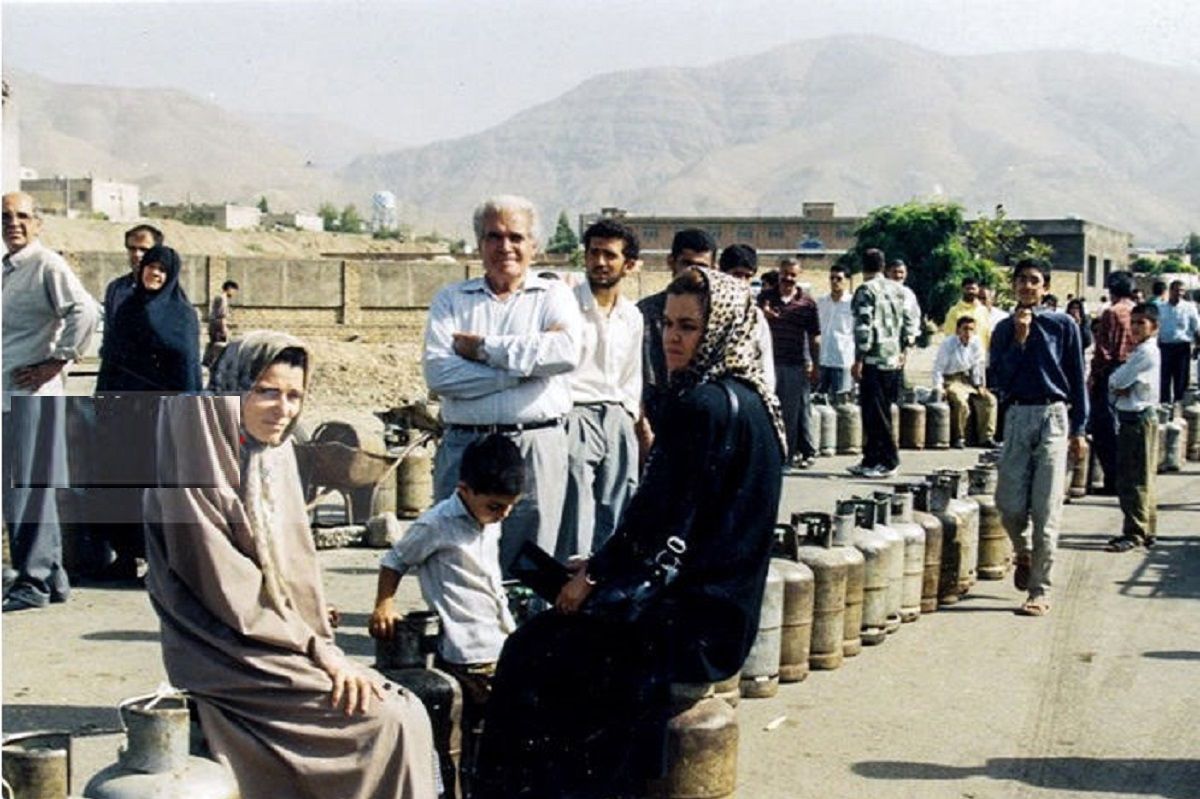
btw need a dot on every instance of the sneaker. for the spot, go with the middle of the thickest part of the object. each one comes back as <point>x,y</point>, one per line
<point>959,444</point>
<point>879,472</point>
<point>859,469</point>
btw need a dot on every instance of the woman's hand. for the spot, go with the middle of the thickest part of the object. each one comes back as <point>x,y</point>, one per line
<point>352,689</point>
<point>576,590</point>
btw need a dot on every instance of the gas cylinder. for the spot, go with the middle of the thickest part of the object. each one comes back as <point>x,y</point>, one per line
<point>883,515</point>
<point>414,483</point>
<point>1077,486</point>
<point>702,744</point>
<point>1191,418</point>
<point>901,521</point>
<point>727,689</point>
<point>760,671</point>
<point>912,423</point>
<point>154,763</point>
<point>797,619</point>
<point>843,531</point>
<point>37,765</point>
<point>407,660</point>
<point>995,549</point>
<point>827,445</point>
<point>937,422</point>
<point>1170,440</point>
<point>937,500</point>
<point>894,410</point>
<point>849,426</point>
<point>932,528</point>
<point>829,580</point>
<point>951,481</point>
<point>876,550</point>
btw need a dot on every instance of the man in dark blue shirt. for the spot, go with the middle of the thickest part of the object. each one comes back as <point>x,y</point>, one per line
<point>1037,369</point>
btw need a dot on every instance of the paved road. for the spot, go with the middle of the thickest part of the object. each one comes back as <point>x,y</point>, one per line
<point>1097,699</point>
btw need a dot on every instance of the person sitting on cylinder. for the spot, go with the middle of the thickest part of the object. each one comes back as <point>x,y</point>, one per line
<point>960,369</point>
<point>580,701</point>
<point>235,582</point>
<point>454,547</point>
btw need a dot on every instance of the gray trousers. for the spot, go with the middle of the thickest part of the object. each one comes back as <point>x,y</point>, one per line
<point>539,513</point>
<point>35,464</point>
<point>792,388</point>
<point>1031,479</point>
<point>835,380</point>
<point>602,476</point>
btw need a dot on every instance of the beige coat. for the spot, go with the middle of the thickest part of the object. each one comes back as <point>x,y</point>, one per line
<point>244,625</point>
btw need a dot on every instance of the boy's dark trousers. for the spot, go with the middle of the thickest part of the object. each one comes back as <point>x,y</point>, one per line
<point>878,391</point>
<point>1137,462</point>
<point>476,682</point>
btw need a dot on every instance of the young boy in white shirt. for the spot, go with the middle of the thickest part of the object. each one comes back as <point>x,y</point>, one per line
<point>454,547</point>
<point>1135,386</point>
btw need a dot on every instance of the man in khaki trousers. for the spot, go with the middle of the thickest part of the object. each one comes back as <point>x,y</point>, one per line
<point>960,369</point>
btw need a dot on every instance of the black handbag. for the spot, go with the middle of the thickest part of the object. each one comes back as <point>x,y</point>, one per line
<point>626,597</point>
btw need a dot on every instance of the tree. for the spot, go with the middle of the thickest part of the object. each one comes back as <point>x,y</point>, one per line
<point>1191,246</point>
<point>329,216</point>
<point>564,241</point>
<point>262,204</point>
<point>350,221</point>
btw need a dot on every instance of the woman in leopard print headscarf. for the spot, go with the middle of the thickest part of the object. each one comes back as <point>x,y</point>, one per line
<point>580,700</point>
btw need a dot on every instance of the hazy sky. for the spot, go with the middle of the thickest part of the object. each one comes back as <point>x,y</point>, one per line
<point>420,70</point>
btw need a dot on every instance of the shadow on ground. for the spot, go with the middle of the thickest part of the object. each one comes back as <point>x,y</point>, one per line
<point>76,719</point>
<point>1173,654</point>
<point>1174,779</point>
<point>122,635</point>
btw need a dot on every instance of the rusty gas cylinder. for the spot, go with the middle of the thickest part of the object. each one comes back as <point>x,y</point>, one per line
<point>414,483</point>
<point>37,765</point>
<point>856,573</point>
<point>937,422</point>
<point>796,628</point>
<point>828,426</point>
<point>876,550</point>
<point>912,423</point>
<point>933,545</point>
<point>849,425</point>
<point>914,552</point>
<point>702,744</point>
<point>995,549</point>
<point>760,671</point>
<point>955,484</point>
<point>883,523</point>
<point>1077,486</point>
<point>407,660</point>
<point>938,501</point>
<point>829,581</point>
<point>1191,420</point>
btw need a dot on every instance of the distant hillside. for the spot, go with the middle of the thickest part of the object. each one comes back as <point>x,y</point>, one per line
<point>174,145</point>
<point>860,121</point>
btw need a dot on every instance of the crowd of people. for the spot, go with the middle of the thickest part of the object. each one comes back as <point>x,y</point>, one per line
<point>640,445</point>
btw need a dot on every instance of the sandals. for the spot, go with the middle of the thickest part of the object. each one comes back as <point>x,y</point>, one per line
<point>1021,572</point>
<point>1034,606</point>
<point>1122,543</point>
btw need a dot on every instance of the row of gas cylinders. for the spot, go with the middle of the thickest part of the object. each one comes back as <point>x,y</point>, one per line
<point>920,421</point>
<point>850,579</point>
<point>1178,441</point>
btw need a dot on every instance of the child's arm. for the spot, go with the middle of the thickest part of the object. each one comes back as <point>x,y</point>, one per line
<point>384,617</point>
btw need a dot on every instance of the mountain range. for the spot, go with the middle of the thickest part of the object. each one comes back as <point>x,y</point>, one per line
<point>860,121</point>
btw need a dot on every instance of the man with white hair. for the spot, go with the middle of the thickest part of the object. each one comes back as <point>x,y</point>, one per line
<point>49,318</point>
<point>497,352</point>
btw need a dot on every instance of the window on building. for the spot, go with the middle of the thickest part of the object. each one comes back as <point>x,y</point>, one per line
<point>745,233</point>
<point>1107,269</point>
<point>715,232</point>
<point>844,232</point>
<point>81,196</point>
<point>649,233</point>
<point>775,232</point>
<point>1091,276</point>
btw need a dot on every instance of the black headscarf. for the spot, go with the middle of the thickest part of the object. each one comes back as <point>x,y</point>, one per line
<point>155,341</point>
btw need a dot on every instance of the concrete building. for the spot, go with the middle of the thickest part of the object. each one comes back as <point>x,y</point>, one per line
<point>1087,252</point>
<point>817,235</point>
<point>295,221</point>
<point>224,216</point>
<point>10,167</point>
<point>74,197</point>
